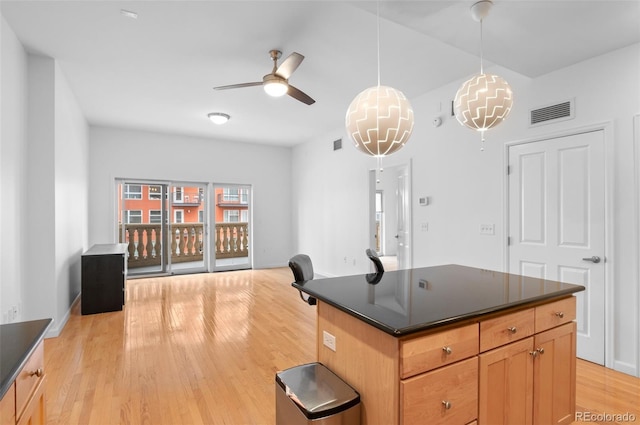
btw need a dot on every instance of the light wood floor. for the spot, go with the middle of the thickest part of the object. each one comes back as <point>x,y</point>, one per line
<point>204,349</point>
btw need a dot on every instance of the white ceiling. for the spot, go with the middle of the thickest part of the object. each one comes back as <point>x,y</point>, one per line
<point>158,72</point>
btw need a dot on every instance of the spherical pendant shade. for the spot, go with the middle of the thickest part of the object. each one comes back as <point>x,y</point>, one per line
<point>379,120</point>
<point>483,101</point>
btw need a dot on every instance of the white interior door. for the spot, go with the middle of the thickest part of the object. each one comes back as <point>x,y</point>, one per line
<point>557,223</point>
<point>403,233</point>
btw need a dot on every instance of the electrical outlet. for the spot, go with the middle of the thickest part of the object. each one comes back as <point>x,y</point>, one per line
<point>487,229</point>
<point>329,340</point>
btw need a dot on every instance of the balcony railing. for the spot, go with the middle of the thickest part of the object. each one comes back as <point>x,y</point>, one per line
<point>187,242</point>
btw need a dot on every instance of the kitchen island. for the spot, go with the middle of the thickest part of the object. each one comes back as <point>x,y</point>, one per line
<point>22,376</point>
<point>450,344</point>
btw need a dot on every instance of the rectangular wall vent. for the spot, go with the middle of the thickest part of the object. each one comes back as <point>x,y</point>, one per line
<point>552,113</point>
<point>337,144</point>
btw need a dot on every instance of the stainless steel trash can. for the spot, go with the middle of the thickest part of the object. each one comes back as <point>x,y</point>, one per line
<point>312,394</point>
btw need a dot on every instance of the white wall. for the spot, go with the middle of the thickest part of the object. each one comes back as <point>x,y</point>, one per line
<point>466,186</point>
<point>119,153</point>
<point>44,187</point>
<point>71,177</point>
<point>13,116</point>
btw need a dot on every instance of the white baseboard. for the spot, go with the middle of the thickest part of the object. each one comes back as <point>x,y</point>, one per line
<point>56,328</point>
<point>624,367</point>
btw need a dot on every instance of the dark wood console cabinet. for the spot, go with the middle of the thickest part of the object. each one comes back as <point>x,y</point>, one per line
<point>104,272</point>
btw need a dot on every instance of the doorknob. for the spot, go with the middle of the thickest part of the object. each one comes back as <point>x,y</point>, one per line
<point>594,259</point>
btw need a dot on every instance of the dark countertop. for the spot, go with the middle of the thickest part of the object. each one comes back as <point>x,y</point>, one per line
<point>17,342</point>
<point>407,301</point>
<point>107,249</point>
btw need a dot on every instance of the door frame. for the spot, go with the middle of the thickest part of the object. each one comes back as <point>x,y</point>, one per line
<point>372,204</point>
<point>636,148</point>
<point>609,255</point>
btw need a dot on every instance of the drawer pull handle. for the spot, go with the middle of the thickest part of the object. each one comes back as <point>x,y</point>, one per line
<point>534,353</point>
<point>447,350</point>
<point>512,329</point>
<point>38,372</point>
<point>540,350</point>
<point>560,314</point>
<point>446,404</point>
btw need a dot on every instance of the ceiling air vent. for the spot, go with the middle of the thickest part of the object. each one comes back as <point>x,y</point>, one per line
<point>552,113</point>
<point>337,144</point>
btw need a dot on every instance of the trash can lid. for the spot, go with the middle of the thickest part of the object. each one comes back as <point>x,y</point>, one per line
<point>317,391</point>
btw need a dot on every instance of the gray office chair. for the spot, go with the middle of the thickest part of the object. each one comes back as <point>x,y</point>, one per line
<point>375,259</point>
<point>302,268</point>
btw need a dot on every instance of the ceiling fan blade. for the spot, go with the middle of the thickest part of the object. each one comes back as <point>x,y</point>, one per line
<point>299,95</point>
<point>290,64</point>
<point>237,86</point>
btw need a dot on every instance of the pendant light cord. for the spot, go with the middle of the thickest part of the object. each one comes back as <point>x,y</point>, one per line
<point>378,36</point>
<point>481,50</point>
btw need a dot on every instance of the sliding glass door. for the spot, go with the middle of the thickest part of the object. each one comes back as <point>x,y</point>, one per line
<point>232,230</point>
<point>187,227</point>
<point>164,226</point>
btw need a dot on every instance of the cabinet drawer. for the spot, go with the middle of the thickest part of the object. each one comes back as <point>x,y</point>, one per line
<point>556,313</point>
<point>448,395</point>
<point>421,354</point>
<point>505,329</point>
<point>28,378</point>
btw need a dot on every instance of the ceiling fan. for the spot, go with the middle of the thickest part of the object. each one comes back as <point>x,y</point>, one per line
<point>277,82</point>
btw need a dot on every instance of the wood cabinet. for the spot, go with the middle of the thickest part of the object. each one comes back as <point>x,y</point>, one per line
<point>512,367</point>
<point>25,403</point>
<point>8,407</point>
<point>104,270</point>
<point>532,380</point>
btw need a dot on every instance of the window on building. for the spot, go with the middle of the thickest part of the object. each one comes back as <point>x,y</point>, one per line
<point>155,216</point>
<point>177,194</point>
<point>178,216</point>
<point>155,192</point>
<point>132,191</point>
<point>244,216</point>
<point>231,216</point>
<point>132,216</point>
<point>200,216</point>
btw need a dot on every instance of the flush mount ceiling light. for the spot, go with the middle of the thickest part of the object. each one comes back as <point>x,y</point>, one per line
<point>218,117</point>
<point>485,100</point>
<point>379,120</point>
<point>128,14</point>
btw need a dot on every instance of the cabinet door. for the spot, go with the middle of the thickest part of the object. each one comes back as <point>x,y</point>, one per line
<point>506,385</point>
<point>554,380</point>
<point>35,412</point>
<point>8,407</point>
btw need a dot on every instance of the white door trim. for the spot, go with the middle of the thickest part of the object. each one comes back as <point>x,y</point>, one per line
<point>609,255</point>
<point>636,168</point>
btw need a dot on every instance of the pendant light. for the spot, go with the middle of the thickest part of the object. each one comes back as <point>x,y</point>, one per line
<point>379,120</point>
<point>485,100</point>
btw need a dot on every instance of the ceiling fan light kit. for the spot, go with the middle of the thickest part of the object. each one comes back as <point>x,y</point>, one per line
<point>219,118</point>
<point>274,85</point>
<point>485,100</point>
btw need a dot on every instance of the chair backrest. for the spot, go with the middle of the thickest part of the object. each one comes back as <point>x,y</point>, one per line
<point>375,259</point>
<point>301,267</point>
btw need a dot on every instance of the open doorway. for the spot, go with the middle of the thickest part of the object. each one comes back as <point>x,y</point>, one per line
<point>390,215</point>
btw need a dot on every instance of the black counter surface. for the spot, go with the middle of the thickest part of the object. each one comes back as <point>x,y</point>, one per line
<point>407,301</point>
<point>17,342</point>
